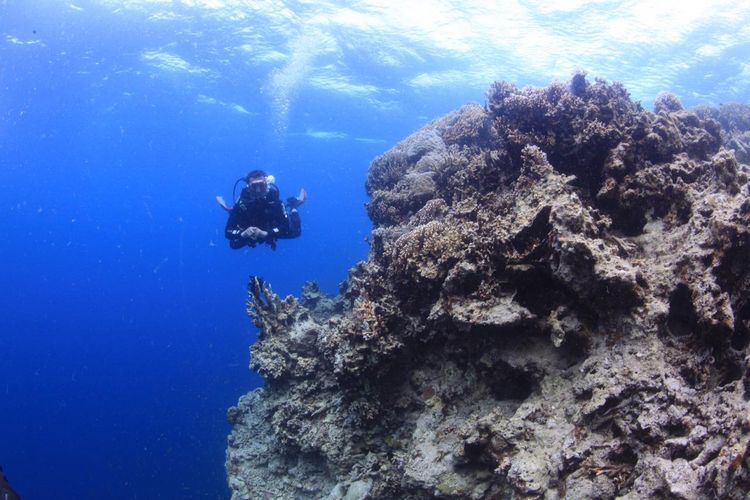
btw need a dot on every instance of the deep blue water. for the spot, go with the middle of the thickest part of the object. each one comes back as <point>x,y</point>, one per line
<point>123,335</point>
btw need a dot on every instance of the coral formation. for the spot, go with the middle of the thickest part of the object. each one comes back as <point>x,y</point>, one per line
<point>666,102</point>
<point>556,304</point>
<point>735,122</point>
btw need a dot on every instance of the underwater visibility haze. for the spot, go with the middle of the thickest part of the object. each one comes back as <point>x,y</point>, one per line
<point>123,331</point>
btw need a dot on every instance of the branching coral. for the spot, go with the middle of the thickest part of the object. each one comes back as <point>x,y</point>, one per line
<point>575,129</point>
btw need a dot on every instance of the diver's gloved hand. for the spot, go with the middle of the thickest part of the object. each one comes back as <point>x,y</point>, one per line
<point>299,200</point>
<point>254,234</point>
<point>223,204</point>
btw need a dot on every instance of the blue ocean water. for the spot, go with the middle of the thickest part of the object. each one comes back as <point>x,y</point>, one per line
<point>123,335</point>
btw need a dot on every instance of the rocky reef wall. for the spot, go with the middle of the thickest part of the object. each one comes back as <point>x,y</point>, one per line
<point>556,304</point>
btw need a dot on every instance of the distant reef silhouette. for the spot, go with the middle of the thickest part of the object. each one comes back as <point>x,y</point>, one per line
<point>556,304</point>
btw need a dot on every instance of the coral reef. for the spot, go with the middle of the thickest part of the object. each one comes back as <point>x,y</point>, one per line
<point>556,304</point>
<point>735,122</point>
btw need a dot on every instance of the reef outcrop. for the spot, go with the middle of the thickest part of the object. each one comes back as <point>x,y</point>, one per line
<point>556,304</point>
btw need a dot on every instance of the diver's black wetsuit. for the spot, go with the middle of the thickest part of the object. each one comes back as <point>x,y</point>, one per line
<point>268,214</point>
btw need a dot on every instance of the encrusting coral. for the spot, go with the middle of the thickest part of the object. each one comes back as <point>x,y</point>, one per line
<point>556,304</point>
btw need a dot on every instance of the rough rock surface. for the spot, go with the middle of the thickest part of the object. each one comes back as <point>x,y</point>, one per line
<point>556,304</point>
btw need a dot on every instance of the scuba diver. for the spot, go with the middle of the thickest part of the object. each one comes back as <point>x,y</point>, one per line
<point>6,492</point>
<point>258,216</point>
